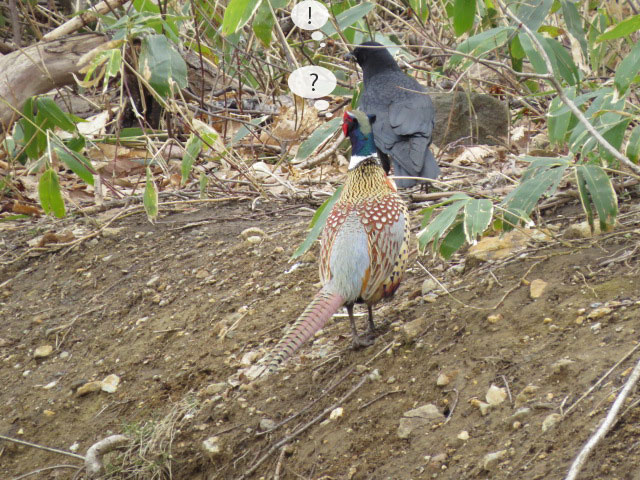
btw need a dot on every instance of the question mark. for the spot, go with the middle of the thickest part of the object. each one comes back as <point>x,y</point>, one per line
<point>314,82</point>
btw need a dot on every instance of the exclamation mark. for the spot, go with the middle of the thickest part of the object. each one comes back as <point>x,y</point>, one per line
<point>309,15</point>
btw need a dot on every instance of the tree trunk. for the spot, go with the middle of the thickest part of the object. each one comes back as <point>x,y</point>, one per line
<point>40,68</point>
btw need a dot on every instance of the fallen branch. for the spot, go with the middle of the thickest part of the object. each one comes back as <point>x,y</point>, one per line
<point>76,23</point>
<point>93,460</point>
<point>604,428</point>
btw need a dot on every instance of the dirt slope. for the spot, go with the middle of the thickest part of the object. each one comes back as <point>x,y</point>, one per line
<point>177,309</point>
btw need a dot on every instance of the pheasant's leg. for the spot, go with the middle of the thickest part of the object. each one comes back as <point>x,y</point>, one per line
<point>357,340</point>
<point>372,327</point>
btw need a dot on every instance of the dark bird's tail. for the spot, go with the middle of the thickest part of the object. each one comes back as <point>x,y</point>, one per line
<point>321,308</point>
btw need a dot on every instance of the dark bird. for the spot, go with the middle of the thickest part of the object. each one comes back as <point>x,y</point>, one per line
<point>404,114</point>
<point>364,245</point>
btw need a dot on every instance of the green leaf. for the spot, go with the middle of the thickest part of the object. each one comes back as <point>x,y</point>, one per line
<point>320,135</point>
<point>347,18</point>
<point>537,62</point>
<point>237,15</point>
<point>203,185</point>
<point>50,196</point>
<point>627,70</point>
<point>482,43</point>
<point>56,116</point>
<point>150,198</point>
<point>477,216</point>
<point>317,223</point>
<point>192,150</point>
<point>574,24</point>
<point>73,160</point>
<point>440,224</point>
<point>161,65</point>
<point>584,198</point>
<point>532,13</point>
<point>263,22</point>
<point>452,241</point>
<point>622,29</point>
<point>464,12</point>
<point>29,130</point>
<point>601,192</point>
<point>527,194</point>
<point>562,61</point>
<point>633,145</point>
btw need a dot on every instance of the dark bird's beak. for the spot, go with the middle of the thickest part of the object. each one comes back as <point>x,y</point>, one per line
<point>350,56</point>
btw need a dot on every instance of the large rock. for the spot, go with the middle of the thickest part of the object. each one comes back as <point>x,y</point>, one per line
<point>486,122</point>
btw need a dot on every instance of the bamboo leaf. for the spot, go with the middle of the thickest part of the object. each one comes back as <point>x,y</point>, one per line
<point>237,15</point>
<point>602,194</point>
<point>627,70</point>
<point>440,224</point>
<point>452,241</point>
<point>161,65</point>
<point>319,136</point>
<point>192,150</point>
<point>477,216</point>
<point>633,146</point>
<point>622,29</point>
<point>50,195</point>
<point>52,111</point>
<point>464,12</point>
<point>347,18</point>
<point>150,198</point>
<point>317,223</point>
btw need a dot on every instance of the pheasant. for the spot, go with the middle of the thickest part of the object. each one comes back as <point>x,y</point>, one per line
<point>364,246</point>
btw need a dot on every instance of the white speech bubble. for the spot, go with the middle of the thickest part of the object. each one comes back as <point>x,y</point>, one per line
<point>317,36</point>
<point>321,105</point>
<point>312,82</point>
<point>309,15</point>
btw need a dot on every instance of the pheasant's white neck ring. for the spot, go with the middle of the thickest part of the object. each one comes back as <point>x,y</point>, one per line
<point>358,159</point>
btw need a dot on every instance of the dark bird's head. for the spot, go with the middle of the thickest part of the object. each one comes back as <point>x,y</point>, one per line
<point>373,57</point>
<point>357,126</point>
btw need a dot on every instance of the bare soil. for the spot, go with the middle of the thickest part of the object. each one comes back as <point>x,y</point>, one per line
<point>177,309</point>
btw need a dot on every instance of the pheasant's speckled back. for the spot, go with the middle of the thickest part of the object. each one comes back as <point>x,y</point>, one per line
<point>365,243</point>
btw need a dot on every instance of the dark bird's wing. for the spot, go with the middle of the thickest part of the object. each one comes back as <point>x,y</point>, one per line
<point>404,124</point>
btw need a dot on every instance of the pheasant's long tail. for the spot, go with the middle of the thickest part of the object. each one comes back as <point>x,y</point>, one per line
<point>321,308</point>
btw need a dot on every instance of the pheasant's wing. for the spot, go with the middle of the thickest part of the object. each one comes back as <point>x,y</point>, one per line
<point>385,222</point>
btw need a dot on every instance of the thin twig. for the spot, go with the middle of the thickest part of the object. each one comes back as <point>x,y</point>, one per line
<point>41,447</point>
<point>605,426</point>
<point>44,469</point>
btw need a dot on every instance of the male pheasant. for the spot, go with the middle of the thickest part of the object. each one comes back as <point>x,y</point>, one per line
<point>364,247</point>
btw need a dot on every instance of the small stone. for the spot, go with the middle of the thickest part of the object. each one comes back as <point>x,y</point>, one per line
<point>110,383</point>
<point>336,413</point>
<point>596,327</point>
<point>64,355</point>
<point>375,376</point>
<point>562,365</point>
<point>413,328</point>
<point>537,288</point>
<point>43,351</point>
<point>214,388</point>
<point>579,319</point>
<point>153,280</point>
<point>278,250</point>
<point>361,368</point>
<point>428,286</point>
<point>89,387</point>
<point>516,425</point>
<point>417,418</point>
<point>599,313</point>
<point>521,413</point>
<point>253,240</point>
<point>267,424</point>
<point>495,318</point>
<point>443,380</point>
<point>252,231</point>
<point>491,460</point>
<point>212,446</point>
<point>48,413</point>
<point>551,421</point>
<point>50,385</point>
<point>463,435</point>
<point>547,320</point>
<point>74,447</point>
<point>391,380</point>
<point>496,395</point>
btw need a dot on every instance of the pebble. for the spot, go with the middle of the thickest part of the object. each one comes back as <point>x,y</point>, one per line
<point>267,424</point>
<point>491,460</point>
<point>599,313</point>
<point>495,318</point>
<point>521,413</point>
<point>551,421</point>
<point>417,418</point>
<point>537,288</point>
<point>375,375</point>
<point>254,239</point>
<point>336,413</point>
<point>43,351</point>
<point>496,395</point>
<point>249,358</point>
<point>562,365</point>
<point>414,328</point>
<point>64,355</point>
<point>110,383</point>
<point>153,280</point>
<point>89,387</point>
<point>429,285</point>
<point>212,446</point>
<point>214,388</point>
<point>596,327</point>
<point>463,435</point>
<point>443,380</point>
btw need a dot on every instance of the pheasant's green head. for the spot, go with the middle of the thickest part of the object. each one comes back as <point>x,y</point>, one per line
<point>357,126</point>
